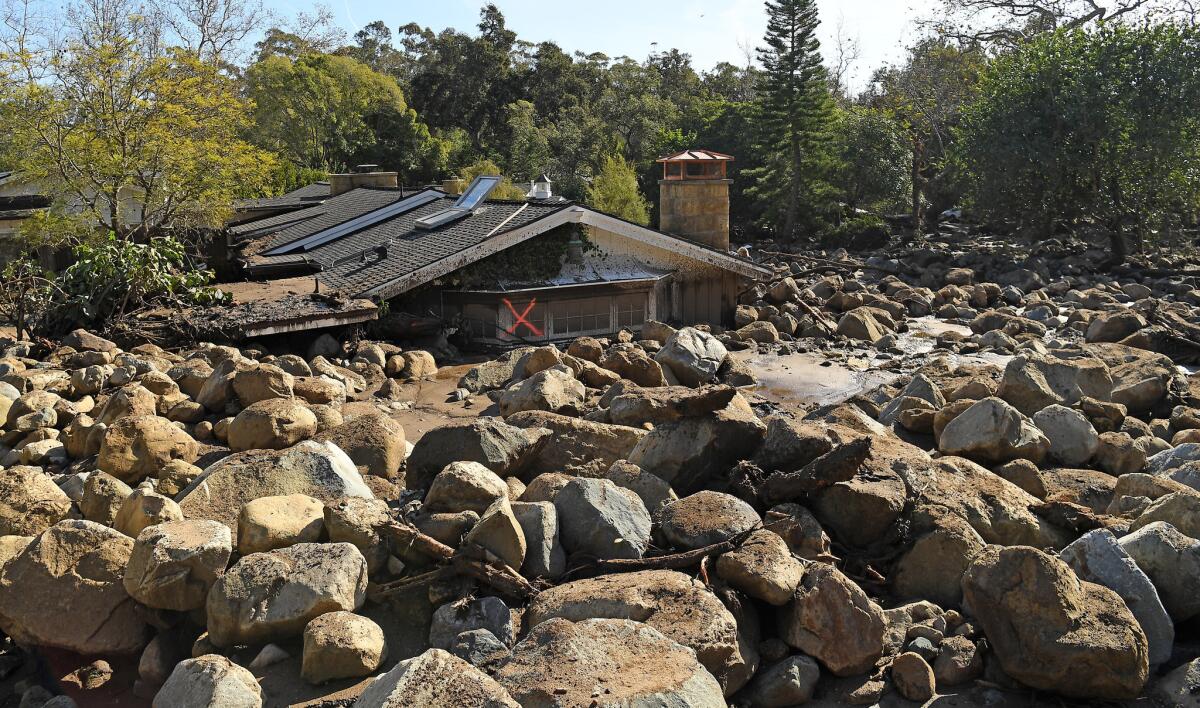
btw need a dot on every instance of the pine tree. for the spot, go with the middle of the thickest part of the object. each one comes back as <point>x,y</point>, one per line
<point>795,112</point>
<point>615,191</point>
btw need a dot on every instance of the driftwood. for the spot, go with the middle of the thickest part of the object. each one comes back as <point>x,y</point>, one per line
<point>838,465</point>
<point>673,561</point>
<point>405,538</point>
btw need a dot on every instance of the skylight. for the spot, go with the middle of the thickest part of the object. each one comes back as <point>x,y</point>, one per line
<point>479,190</point>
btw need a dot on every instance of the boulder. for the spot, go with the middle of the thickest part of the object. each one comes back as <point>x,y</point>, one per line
<point>374,442</point>
<point>418,365</point>
<point>1097,558</point>
<point>693,356</point>
<point>544,554</point>
<point>454,618</point>
<point>789,444</point>
<point>209,681</point>
<point>138,446</point>
<point>320,470</point>
<point>933,567</point>
<point>580,446</point>
<point>1172,562</point>
<point>1114,326</point>
<point>273,424</point>
<point>491,375</point>
<point>631,362</point>
<point>30,502</point>
<point>654,492</point>
<point>103,496</point>
<point>1072,438</point>
<point>992,431</point>
<point>500,447</point>
<point>787,683</point>
<point>760,332</point>
<point>598,518</point>
<point>1033,381</point>
<point>356,520</point>
<point>63,590</point>
<point>681,608</point>
<point>1053,632</point>
<point>173,565</point>
<point>861,324</point>
<point>271,596</point>
<point>435,679</point>
<point>1181,510</point>
<point>1180,688</point>
<point>464,486</point>
<point>267,523</point>
<point>555,389</point>
<point>262,382</point>
<point>832,620</point>
<point>499,534</point>
<point>341,645</point>
<point>561,663</point>
<point>763,568</point>
<point>84,341</point>
<point>913,677</point>
<point>705,518</point>
<point>145,508</point>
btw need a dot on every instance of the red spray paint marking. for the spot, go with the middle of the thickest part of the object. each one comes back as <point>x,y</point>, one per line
<point>521,318</point>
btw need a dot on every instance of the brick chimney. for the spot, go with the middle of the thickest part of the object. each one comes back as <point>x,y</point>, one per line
<point>694,197</point>
<point>363,176</point>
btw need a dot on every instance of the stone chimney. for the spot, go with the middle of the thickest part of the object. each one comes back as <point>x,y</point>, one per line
<point>363,176</point>
<point>694,197</point>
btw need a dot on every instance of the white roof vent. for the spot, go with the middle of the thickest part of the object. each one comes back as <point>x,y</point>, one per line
<point>540,189</point>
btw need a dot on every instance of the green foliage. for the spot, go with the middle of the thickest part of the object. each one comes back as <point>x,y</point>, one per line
<point>1089,126</point>
<point>505,190</point>
<point>534,261</point>
<point>115,276</point>
<point>874,157</point>
<point>615,191</point>
<point>795,111</point>
<point>857,228</point>
<point>288,176</point>
<point>328,112</point>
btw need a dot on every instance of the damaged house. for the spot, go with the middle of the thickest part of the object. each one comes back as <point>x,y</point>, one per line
<point>540,269</point>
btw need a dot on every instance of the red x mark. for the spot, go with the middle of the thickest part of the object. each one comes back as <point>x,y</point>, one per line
<point>521,318</point>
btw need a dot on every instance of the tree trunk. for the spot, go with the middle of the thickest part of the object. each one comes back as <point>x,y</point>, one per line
<point>1120,251</point>
<point>918,215</point>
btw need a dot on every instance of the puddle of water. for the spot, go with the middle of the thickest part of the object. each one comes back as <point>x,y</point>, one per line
<point>814,379</point>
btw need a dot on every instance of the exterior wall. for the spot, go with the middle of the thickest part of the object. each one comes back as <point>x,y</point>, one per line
<point>345,182</point>
<point>697,209</point>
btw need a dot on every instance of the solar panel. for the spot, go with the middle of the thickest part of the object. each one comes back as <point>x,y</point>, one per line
<point>356,224</point>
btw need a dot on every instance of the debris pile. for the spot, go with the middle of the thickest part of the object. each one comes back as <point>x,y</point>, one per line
<point>628,522</point>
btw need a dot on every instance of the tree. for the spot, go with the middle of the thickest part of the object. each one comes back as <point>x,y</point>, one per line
<point>927,94</point>
<point>795,111</point>
<point>134,134</point>
<point>874,154</point>
<point>1089,127</point>
<point>331,112</point>
<point>486,168</point>
<point>1009,23</point>
<point>529,147</point>
<point>615,191</point>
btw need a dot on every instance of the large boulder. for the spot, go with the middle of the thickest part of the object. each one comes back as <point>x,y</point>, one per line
<point>30,502</point>
<point>555,389</point>
<point>435,679</point>
<point>763,568</point>
<point>832,620</point>
<point>173,565</point>
<point>690,451</point>
<point>681,608</point>
<point>320,470</point>
<point>1073,440</point>
<point>1114,326</point>
<point>500,447</point>
<point>137,446</point>
<point>267,523</point>
<point>992,431</point>
<point>341,645</point>
<point>600,519</point>
<point>64,590</point>
<point>464,486</point>
<point>580,447</point>
<point>693,356</point>
<point>1097,557</point>
<point>271,596</point>
<point>261,383</point>
<point>491,375</point>
<point>1141,379</point>
<point>1033,381</point>
<point>1053,632</point>
<point>209,681</point>
<point>861,324</point>
<point>273,424</point>
<point>632,362</point>
<point>1172,562</point>
<point>705,518</point>
<point>561,663</point>
<point>373,441</point>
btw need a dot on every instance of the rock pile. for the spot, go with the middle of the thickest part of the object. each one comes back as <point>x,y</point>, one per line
<point>628,522</point>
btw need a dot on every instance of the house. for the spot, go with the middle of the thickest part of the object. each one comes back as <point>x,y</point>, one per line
<point>535,270</point>
<point>253,209</point>
<point>18,201</point>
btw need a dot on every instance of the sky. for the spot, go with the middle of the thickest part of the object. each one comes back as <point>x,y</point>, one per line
<point>710,30</point>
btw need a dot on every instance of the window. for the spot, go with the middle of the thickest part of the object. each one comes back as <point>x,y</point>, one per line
<point>480,321</point>
<point>586,315</point>
<point>521,317</point>
<point>631,310</point>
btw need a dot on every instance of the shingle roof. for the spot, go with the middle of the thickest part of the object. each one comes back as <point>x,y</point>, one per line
<point>307,195</point>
